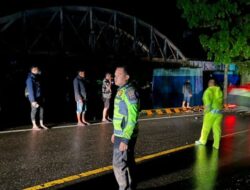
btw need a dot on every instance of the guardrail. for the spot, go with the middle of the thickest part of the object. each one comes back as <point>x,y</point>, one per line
<point>177,110</point>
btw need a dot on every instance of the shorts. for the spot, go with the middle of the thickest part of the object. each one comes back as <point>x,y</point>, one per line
<point>106,102</point>
<point>81,107</point>
<point>187,98</point>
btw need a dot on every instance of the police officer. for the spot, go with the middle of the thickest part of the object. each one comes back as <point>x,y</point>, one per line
<point>125,121</point>
<point>213,103</point>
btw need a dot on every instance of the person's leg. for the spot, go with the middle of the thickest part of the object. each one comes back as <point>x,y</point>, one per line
<point>108,106</point>
<point>79,106</point>
<point>84,120</point>
<point>188,101</point>
<point>41,118</point>
<point>119,166</point>
<point>79,122</point>
<point>41,115</point>
<point>131,164</point>
<point>84,109</point>
<point>206,128</point>
<point>121,169</point>
<point>33,118</point>
<point>105,110</point>
<point>183,103</point>
<point>217,130</point>
<point>104,114</point>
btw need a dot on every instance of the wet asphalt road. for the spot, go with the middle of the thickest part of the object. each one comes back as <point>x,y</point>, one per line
<point>34,157</point>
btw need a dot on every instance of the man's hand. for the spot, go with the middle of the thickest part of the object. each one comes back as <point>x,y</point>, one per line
<point>123,147</point>
<point>113,138</point>
<point>35,104</point>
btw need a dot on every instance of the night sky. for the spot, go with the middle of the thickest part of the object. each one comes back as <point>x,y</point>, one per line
<point>163,15</point>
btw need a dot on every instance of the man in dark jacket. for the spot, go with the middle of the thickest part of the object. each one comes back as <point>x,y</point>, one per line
<point>80,98</point>
<point>34,93</point>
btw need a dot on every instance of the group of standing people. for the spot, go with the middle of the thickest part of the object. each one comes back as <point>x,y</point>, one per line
<point>34,93</point>
<point>81,97</point>
<point>125,116</point>
<point>125,121</point>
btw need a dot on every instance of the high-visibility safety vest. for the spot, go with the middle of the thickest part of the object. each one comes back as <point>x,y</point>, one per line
<point>213,99</point>
<point>126,111</point>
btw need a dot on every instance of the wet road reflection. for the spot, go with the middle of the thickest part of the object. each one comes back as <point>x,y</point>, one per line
<point>205,168</point>
<point>36,157</point>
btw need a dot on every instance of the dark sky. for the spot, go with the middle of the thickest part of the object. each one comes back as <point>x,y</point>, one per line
<point>163,15</point>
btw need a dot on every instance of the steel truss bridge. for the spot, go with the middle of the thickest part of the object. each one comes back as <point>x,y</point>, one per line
<point>76,30</point>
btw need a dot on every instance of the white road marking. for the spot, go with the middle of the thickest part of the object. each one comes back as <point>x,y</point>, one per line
<point>71,126</point>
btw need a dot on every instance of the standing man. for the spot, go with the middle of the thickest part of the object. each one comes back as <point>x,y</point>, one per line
<point>106,96</point>
<point>125,121</point>
<point>213,104</point>
<point>34,92</point>
<point>80,97</point>
<point>187,94</point>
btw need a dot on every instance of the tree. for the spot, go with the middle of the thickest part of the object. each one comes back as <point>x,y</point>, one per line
<point>225,30</point>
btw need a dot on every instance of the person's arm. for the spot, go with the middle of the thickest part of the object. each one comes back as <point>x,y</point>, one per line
<point>190,90</point>
<point>108,84</point>
<point>207,100</point>
<point>30,89</point>
<point>103,86</point>
<point>219,97</point>
<point>84,92</point>
<point>76,90</point>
